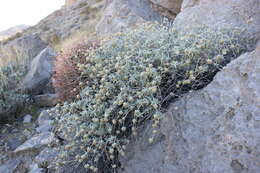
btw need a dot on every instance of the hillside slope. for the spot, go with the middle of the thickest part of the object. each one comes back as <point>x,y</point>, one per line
<point>12,31</point>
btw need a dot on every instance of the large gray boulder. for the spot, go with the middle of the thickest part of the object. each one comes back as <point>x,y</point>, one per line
<point>221,14</point>
<point>23,48</point>
<point>216,129</point>
<point>10,166</point>
<point>36,169</point>
<point>45,122</point>
<point>46,100</point>
<point>46,157</point>
<point>122,14</point>
<point>141,156</point>
<point>173,6</point>
<point>36,142</point>
<point>40,72</point>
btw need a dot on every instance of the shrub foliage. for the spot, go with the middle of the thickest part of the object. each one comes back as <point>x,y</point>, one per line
<point>129,79</point>
<point>10,98</point>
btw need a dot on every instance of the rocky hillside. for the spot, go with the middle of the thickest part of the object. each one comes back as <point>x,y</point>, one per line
<point>12,31</point>
<point>156,86</point>
<point>212,130</point>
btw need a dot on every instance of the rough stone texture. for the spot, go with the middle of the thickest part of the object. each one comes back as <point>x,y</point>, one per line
<point>15,142</point>
<point>12,137</point>
<point>45,122</point>
<point>10,166</point>
<point>216,129</point>
<point>40,72</point>
<point>46,126</point>
<point>122,14</point>
<point>22,143</point>
<point>189,3</point>
<point>72,168</point>
<point>80,16</point>
<point>23,48</point>
<point>142,156</point>
<point>46,100</point>
<point>221,14</point>
<point>173,5</point>
<point>44,116</point>
<point>46,156</point>
<point>36,169</point>
<point>11,32</point>
<point>27,118</point>
<point>36,142</point>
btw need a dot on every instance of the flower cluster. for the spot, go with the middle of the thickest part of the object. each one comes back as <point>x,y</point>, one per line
<point>128,79</point>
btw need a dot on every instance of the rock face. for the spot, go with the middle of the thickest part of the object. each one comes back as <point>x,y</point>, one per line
<point>40,72</point>
<point>12,31</point>
<point>78,16</point>
<point>36,169</point>
<point>122,14</point>
<point>46,156</point>
<point>216,129</point>
<point>142,156</point>
<point>22,149</point>
<point>36,142</point>
<point>169,8</point>
<point>27,119</point>
<point>10,166</point>
<point>46,100</point>
<point>25,47</point>
<point>44,122</point>
<point>221,14</point>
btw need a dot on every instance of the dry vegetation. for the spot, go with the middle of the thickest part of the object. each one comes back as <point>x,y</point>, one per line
<point>129,79</point>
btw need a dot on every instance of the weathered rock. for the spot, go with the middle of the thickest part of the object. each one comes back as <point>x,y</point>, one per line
<point>12,32</point>
<point>27,133</point>
<point>15,142</point>
<point>122,14</point>
<point>36,142</point>
<point>10,166</point>
<point>221,14</point>
<point>36,169</point>
<point>46,126</point>
<point>45,122</point>
<point>40,72</point>
<point>45,157</point>
<point>23,49</point>
<point>46,100</point>
<point>189,3</point>
<point>72,168</point>
<point>44,116</point>
<point>216,129</point>
<point>2,158</point>
<point>27,118</point>
<point>174,6</point>
<point>80,16</point>
<point>143,156</point>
